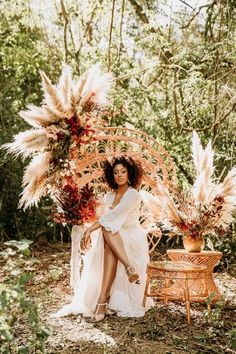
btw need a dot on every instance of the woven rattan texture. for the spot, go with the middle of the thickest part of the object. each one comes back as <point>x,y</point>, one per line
<point>116,141</point>
<point>168,281</point>
<point>204,258</point>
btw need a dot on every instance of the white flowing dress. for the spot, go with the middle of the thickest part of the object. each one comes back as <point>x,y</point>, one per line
<point>125,297</point>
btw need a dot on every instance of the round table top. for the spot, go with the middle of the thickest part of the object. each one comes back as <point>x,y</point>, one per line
<point>175,266</point>
<point>199,254</point>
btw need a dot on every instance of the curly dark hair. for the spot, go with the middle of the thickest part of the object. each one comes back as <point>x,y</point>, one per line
<point>135,171</point>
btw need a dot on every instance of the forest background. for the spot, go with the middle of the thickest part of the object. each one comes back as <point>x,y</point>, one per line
<point>174,63</point>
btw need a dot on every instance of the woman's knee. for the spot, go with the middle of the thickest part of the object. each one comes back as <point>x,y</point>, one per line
<point>106,234</point>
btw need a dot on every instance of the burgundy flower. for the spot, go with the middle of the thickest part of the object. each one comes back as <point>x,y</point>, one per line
<point>77,206</point>
<point>60,136</point>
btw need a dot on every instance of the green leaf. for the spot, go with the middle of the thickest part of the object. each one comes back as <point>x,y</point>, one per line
<point>24,278</point>
<point>47,331</point>
<point>3,299</point>
<point>25,252</point>
<point>24,350</point>
<point>33,317</point>
<point>5,332</point>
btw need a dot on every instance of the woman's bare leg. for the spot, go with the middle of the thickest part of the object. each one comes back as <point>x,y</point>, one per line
<point>114,250</point>
<point>117,246</point>
<point>109,273</point>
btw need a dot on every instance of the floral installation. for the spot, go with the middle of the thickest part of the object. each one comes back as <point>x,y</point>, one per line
<point>69,118</point>
<point>75,206</point>
<point>206,209</point>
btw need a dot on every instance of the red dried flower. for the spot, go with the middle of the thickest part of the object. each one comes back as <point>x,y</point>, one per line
<point>77,207</point>
<point>60,136</point>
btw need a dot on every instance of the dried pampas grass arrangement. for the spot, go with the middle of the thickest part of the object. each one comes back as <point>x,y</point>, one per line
<point>68,117</point>
<point>208,208</point>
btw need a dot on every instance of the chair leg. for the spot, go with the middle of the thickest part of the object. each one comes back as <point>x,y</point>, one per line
<point>187,301</point>
<point>208,294</point>
<point>145,291</point>
<point>167,284</point>
<point>144,300</point>
<point>209,304</point>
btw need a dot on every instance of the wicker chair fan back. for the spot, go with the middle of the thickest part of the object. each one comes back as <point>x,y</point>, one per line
<point>114,142</point>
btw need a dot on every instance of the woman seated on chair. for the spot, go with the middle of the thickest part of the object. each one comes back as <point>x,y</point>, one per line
<point>115,260</point>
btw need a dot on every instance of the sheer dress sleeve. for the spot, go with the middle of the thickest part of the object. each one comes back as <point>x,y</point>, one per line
<point>114,219</point>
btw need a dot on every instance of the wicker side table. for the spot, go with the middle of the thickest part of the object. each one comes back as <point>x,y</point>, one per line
<point>206,258</point>
<point>163,278</point>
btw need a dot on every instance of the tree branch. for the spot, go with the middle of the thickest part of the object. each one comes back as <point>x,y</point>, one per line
<point>216,90</point>
<point>83,35</point>
<point>176,114</point>
<point>65,16</point>
<point>177,120</point>
<point>142,16</point>
<point>89,29</point>
<point>110,35</point>
<point>139,11</point>
<point>227,113</point>
<point>197,13</point>
<point>185,3</point>
<point>171,66</point>
<point>196,129</point>
<point>121,27</point>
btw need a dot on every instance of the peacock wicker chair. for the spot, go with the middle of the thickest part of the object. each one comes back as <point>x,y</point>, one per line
<point>117,141</point>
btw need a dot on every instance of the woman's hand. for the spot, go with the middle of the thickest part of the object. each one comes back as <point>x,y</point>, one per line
<point>85,242</point>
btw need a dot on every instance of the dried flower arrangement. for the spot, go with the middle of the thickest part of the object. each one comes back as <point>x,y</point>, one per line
<point>75,206</point>
<point>69,117</point>
<point>208,208</point>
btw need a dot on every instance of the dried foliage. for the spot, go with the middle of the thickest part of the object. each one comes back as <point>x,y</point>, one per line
<point>67,120</point>
<point>208,207</point>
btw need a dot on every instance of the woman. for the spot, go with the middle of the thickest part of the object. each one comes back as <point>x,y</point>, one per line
<point>125,242</point>
<point>115,251</point>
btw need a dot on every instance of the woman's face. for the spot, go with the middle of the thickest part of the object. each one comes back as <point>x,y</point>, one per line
<point>120,174</point>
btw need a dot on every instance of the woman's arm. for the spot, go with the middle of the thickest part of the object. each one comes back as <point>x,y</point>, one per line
<point>113,220</point>
<point>94,227</point>
<point>85,242</point>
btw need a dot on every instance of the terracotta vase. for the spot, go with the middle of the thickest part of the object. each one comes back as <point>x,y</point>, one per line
<point>193,245</point>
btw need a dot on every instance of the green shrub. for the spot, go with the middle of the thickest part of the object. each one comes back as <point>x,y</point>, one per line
<point>21,328</point>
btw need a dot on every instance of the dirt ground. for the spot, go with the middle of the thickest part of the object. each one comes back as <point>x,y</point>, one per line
<point>163,330</point>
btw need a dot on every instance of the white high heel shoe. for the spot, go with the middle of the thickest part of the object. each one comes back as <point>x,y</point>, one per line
<point>98,317</point>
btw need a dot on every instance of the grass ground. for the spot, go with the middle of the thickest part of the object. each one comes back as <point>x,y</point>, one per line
<point>163,330</point>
